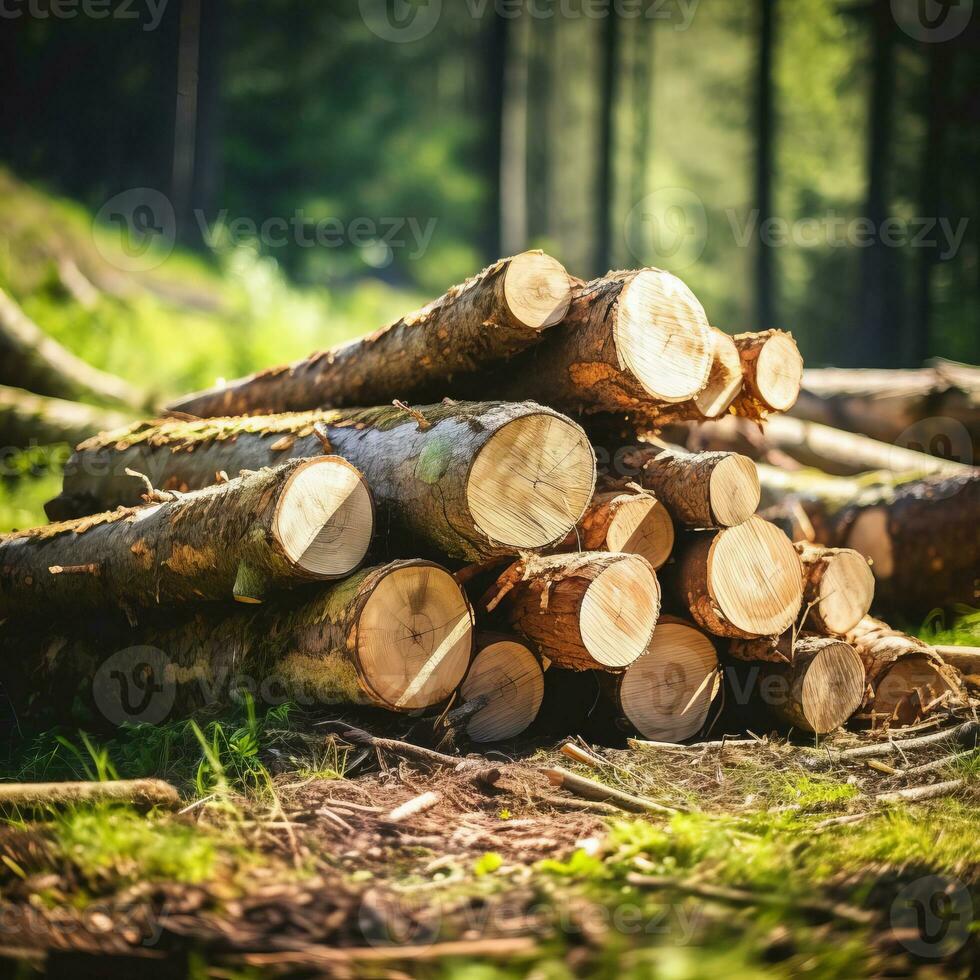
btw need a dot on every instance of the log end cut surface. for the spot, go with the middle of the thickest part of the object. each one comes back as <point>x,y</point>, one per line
<point>325,518</point>
<point>779,372</point>
<point>414,636</point>
<point>666,693</point>
<point>910,675</point>
<point>642,526</point>
<point>537,290</point>
<point>734,490</point>
<point>619,612</point>
<point>724,378</point>
<point>509,674</point>
<point>846,591</point>
<point>833,687</point>
<point>756,578</point>
<point>531,482</point>
<point>662,336</point>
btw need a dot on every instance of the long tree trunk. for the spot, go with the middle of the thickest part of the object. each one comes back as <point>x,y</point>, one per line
<point>33,360</point>
<point>397,636</point>
<point>303,521</point>
<point>764,125</point>
<point>459,479</point>
<point>513,145</point>
<point>504,309</point>
<point>606,142</point>
<point>27,419</point>
<point>591,610</point>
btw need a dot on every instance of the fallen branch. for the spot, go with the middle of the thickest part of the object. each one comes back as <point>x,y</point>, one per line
<point>404,750</point>
<point>916,794</point>
<point>589,789</point>
<point>964,734</point>
<point>946,760</point>
<point>138,792</point>
<point>413,807</point>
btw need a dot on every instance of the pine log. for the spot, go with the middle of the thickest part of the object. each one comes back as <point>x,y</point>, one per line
<point>815,683</point>
<point>965,659</point>
<point>136,792</point>
<point>632,342</point>
<point>920,535</point>
<point>904,675</point>
<point>630,521</point>
<point>460,479</point>
<point>666,693</point>
<point>34,361</point>
<point>591,610</point>
<point>509,675</point>
<point>397,636</point>
<point>700,490</point>
<point>28,420</point>
<point>303,521</point>
<point>504,309</point>
<point>744,581</point>
<point>838,588</point>
<point>772,370</point>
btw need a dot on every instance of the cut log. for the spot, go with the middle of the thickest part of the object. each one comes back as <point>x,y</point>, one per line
<point>700,490</point>
<point>904,675</point>
<point>34,361</point>
<point>744,581</point>
<point>306,520</point>
<point>630,521</point>
<point>667,692</point>
<point>27,419</point>
<point>465,480</point>
<point>397,636</point>
<point>920,536</point>
<point>631,342</point>
<point>816,687</point>
<point>505,671</point>
<point>504,309</point>
<point>965,659</point>
<point>590,610</point>
<point>724,378</point>
<point>772,371</point>
<point>838,588</point>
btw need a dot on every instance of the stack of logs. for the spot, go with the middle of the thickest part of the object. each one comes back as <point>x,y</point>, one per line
<point>459,544</point>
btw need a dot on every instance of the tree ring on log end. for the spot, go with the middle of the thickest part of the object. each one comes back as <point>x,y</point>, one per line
<point>724,377</point>
<point>733,490</point>
<point>662,336</point>
<point>511,676</point>
<point>531,481</point>
<point>847,588</point>
<point>666,693</point>
<point>619,611</point>
<point>414,636</point>
<point>832,688</point>
<point>755,577</point>
<point>641,526</point>
<point>324,518</point>
<point>779,372</point>
<point>537,290</point>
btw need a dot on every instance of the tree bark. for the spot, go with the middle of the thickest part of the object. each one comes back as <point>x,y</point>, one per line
<point>632,342</point>
<point>919,535</point>
<point>815,685</point>
<point>764,126</point>
<point>303,521</point>
<point>743,582</point>
<point>27,419</point>
<point>136,792</point>
<point>772,372</point>
<point>465,480</point>
<point>503,309</point>
<point>838,588</point>
<point>33,360</point>
<point>397,636</point>
<point>904,675</point>
<point>590,610</point>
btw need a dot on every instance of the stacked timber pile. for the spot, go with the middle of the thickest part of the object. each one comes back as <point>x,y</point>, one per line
<point>435,517</point>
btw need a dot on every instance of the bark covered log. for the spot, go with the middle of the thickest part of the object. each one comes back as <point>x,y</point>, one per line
<point>772,371</point>
<point>135,792</point>
<point>306,520</point>
<point>590,610</point>
<point>460,479</point>
<point>397,636</point>
<point>488,318</point>
<point>33,360</point>
<point>27,419</point>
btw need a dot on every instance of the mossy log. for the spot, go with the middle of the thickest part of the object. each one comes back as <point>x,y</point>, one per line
<point>302,521</point>
<point>27,419</point>
<point>504,309</point>
<point>467,480</point>
<point>590,610</point>
<point>397,636</point>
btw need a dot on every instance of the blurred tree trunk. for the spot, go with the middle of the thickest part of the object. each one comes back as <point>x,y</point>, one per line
<point>878,330</point>
<point>208,154</point>
<point>495,47</point>
<point>764,123</point>
<point>607,142</point>
<point>185,119</point>
<point>540,93</point>
<point>513,149</point>
<point>643,41</point>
